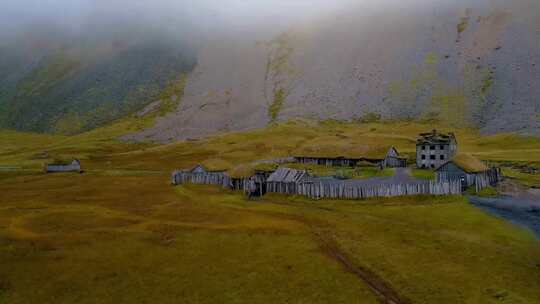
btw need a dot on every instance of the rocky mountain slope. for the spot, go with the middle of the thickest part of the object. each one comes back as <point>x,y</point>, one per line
<point>68,85</point>
<point>466,63</point>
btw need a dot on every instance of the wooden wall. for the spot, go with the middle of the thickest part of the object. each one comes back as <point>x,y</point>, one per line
<point>340,190</point>
<point>205,178</point>
<point>480,180</point>
<point>63,168</point>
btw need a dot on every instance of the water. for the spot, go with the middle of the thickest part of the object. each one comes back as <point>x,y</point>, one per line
<point>522,211</point>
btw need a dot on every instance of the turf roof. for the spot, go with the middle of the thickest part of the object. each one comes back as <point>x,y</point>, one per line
<point>469,163</point>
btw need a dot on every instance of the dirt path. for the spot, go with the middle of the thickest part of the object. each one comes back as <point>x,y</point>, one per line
<point>381,288</point>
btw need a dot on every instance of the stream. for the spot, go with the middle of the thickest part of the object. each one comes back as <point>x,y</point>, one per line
<point>522,210</point>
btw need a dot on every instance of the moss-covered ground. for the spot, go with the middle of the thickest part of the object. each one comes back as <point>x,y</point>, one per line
<point>119,233</point>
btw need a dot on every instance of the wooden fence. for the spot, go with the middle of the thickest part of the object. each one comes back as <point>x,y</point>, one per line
<point>207,178</point>
<point>314,189</point>
<point>350,191</point>
<point>489,178</point>
<point>480,180</point>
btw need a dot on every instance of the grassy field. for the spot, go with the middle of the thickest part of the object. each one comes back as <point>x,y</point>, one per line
<point>119,233</point>
<point>97,238</point>
<point>98,147</point>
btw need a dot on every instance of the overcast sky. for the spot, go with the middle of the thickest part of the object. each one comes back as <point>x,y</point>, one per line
<point>205,14</point>
<point>190,18</point>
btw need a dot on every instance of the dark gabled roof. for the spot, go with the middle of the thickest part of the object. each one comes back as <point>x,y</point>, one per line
<point>397,156</point>
<point>195,168</point>
<point>288,175</point>
<point>435,138</point>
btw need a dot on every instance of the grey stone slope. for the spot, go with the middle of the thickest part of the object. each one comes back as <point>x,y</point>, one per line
<point>468,63</point>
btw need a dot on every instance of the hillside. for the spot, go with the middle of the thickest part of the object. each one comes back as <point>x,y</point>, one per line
<point>69,86</point>
<point>463,63</point>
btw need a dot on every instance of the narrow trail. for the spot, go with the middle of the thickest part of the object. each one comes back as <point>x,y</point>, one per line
<point>380,288</point>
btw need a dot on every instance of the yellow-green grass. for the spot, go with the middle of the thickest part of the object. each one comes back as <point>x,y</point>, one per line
<point>423,174</point>
<point>99,148</point>
<point>102,238</point>
<point>486,192</point>
<point>527,179</point>
<point>369,172</point>
<point>469,163</point>
<point>420,243</point>
<point>121,234</point>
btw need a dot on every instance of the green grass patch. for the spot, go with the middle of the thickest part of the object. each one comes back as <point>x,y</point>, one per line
<point>463,24</point>
<point>486,192</point>
<point>423,174</point>
<point>369,172</point>
<point>527,179</point>
<point>343,172</point>
<point>172,95</point>
<point>277,104</point>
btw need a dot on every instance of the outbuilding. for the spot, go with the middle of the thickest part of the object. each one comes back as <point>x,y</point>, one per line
<point>469,170</point>
<point>248,178</point>
<point>381,156</point>
<point>286,180</point>
<point>392,159</point>
<point>201,175</point>
<point>74,166</point>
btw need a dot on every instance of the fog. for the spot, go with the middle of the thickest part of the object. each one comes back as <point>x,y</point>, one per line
<point>192,21</point>
<point>189,19</point>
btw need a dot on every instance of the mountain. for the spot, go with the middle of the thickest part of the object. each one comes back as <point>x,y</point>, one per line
<point>65,84</point>
<point>464,63</point>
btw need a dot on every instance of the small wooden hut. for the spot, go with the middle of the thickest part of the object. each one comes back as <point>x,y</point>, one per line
<point>286,180</point>
<point>469,170</point>
<point>382,156</point>
<point>250,178</point>
<point>201,175</point>
<point>392,159</point>
<point>74,166</point>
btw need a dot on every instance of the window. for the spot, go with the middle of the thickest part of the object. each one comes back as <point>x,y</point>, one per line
<point>442,147</point>
<point>442,157</point>
<point>423,166</point>
<point>423,156</point>
<point>423,147</point>
<point>432,157</point>
<point>432,147</point>
<point>432,166</point>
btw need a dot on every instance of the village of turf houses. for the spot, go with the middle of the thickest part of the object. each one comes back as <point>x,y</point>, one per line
<point>454,173</point>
